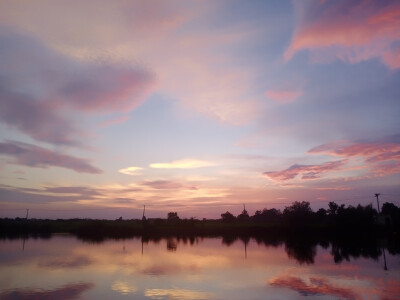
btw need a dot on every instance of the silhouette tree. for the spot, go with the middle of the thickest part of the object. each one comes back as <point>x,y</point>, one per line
<point>173,217</point>
<point>267,215</point>
<point>228,217</point>
<point>394,212</point>
<point>333,207</point>
<point>321,214</point>
<point>298,214</point>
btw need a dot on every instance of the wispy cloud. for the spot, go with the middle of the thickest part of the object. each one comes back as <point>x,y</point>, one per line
<point>372,152</point>
<point>118,120</point>
<point>383,158</point>
<point>380,158</point>
<point>183,164</point>
<point>386,169</point>
<point>130,171</point>
<point>351,31</point>
<point>82,191</point>
<point>283,96</point>
<point>167,184</point>
<point>307,171</point>
<point>38,157</point>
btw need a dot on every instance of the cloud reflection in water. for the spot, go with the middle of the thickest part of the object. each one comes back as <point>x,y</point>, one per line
<point>177,294</point>
<point>69,291</point>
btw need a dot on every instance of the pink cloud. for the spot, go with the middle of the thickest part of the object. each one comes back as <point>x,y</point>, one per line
<point>386,169</point>
<point>372,152</point>
<point>383,158</point>
<point>317,286</point>
<point>351,31</point>
<point>155,17</point>
<point>38,157</point>
<point>307,171</point>
<point>283,96</point>
<point>170,36</point>
<point>118,120</point>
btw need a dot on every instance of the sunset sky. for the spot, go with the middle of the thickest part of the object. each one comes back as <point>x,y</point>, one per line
<point>197,107</point>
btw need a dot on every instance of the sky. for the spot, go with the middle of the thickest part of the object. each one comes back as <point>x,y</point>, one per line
<point>196,107</point>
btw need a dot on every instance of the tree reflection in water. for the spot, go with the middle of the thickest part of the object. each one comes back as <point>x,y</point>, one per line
<point>300,248</point>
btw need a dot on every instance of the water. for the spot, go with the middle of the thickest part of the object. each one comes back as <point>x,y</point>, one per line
<point>63,267</point>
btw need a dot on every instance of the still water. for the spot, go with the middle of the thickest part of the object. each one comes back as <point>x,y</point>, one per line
<point>64,267</point>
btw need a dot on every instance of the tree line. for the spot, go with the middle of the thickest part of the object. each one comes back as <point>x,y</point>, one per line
<point>301,214</point>
<point>336,220</point>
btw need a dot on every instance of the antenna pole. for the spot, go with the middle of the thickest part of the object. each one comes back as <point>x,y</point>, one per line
<point>377,200</point>
<point>144,210</point>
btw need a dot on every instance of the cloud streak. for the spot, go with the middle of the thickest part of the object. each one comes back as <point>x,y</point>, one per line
<point>130,171</point>
<point>38,157</point>
<point>283,96</point>
<point>307,171</point>
<point>382,157</point>
<point>351,31</point>
<point>166,184</point>
<point>372,152</point>
<point>183,164</point>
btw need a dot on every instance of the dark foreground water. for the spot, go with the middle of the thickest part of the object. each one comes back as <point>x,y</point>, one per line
<point>63,267</point>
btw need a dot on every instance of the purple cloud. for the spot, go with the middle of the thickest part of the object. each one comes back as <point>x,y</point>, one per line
<point>36,119</point>
<point>105,89</point>
<point>79,190</point>
<point>166,184</point>
<point>37,84</point>
<point>124,200</point>
<point>35,156</point>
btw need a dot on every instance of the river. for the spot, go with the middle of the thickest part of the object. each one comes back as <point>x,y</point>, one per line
<point>63,267</point>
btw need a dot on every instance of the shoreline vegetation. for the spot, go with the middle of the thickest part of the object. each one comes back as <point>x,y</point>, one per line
<point>335,222</point>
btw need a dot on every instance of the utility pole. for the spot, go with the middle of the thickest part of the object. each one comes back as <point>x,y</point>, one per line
<point>27,212</point>
<point>377,200</point>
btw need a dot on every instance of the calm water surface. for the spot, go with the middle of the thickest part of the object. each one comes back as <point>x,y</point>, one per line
<point>64,267</point>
